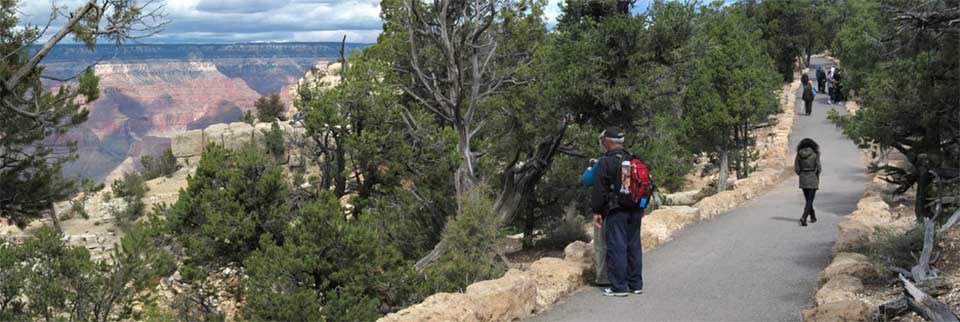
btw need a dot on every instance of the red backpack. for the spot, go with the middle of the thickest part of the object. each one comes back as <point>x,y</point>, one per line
<point>636,184</point>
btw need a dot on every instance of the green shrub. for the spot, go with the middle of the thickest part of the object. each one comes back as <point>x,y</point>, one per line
<point>63,283</point>
<point>468,246</point>
<point>232,199</point>
<point>269,108</point>
<point>165,165</point>
<point>132,189</point>
<point>893,248</point>
<point>248,118</point>
<point>131,185</point>
<point>568,229</point>
<point>273,140</point>
<point>325,262</point>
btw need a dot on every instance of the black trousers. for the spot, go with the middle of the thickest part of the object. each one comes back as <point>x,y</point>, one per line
<point>821,82</point>
<point>808,107</point>
<point>624,252</point>
<point>808,195</point>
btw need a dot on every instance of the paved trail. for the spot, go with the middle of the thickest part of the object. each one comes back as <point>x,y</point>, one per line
<point>753,264</point>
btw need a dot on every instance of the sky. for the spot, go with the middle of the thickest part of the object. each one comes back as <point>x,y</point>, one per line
<point>236,21</point>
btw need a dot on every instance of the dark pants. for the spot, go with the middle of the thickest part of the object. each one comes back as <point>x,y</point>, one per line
<point>808,107</point>
<point>821,83</point>
<point>808,195</point>
<point>830,91</point>
<point>624,256</point>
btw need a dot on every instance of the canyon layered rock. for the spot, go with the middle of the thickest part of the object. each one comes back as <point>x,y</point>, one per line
<point>156,91</point>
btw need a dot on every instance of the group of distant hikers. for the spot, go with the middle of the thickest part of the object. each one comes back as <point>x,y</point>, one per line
<point>828,81</point>
<point>622,189</point>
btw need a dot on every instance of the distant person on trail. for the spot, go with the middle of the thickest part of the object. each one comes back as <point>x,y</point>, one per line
<point>599,243</point>
<point>821,78</point>
<point>807,166</point>
<point>808,94</point>
<point>622,187</point>
<point>831,88</point>
<point>837,87</point>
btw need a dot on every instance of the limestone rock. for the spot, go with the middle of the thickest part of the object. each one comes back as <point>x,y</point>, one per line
<point>238,135</point>
<point>843,311</point>
<point>657,226</point>
<point>440,307</point>
<point>556,278</point>
<point>684,198</point>
<point>511,297</point>
<point>853,264</point>
<point>842,287</point>
<point>852,233</point>
<point>188,144</point>
<point>578,252</point>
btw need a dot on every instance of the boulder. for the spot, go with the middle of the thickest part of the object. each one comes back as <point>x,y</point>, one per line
<point>334,69</point>
<point>842,287</point>
<point>214,133</point>
<point>843,311</point>
<point>684,198</point>
<point>440,307</point>
<point>188,144</point>
<point>852,233</point>
<point>657,226</point>
<point>718,203</point>
<point>853,264</point>
<point>239,134</point>
<point>579,252</point>
<point>556,278</point>
<point>511,297</point>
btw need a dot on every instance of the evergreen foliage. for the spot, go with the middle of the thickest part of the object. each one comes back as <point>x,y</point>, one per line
<point>231,201</point>
<point>269,108</point>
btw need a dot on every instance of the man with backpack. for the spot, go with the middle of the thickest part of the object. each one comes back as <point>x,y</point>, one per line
<point>622,187</point>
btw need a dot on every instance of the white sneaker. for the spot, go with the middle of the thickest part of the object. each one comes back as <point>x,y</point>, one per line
<point>610,292</point>
<point>640,291</point>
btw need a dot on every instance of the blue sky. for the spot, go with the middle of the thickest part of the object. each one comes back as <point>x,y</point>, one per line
<point>231,21</point>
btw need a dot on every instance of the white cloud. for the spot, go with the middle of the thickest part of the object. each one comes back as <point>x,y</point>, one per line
<point>200,21</point>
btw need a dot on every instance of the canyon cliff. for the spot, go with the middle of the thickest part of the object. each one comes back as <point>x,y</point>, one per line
<point>149,93</point>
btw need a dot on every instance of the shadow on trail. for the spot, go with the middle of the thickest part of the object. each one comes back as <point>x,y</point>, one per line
<point>792,220</point>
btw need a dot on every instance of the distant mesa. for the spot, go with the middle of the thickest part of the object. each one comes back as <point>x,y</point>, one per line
<point>152,92</point>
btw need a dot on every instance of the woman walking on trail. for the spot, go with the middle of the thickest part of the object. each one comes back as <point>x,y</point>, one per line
<point>807,166</point>
<point>809,93</point>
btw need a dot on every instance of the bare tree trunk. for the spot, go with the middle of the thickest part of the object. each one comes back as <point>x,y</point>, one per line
<point>55,219</point>
<point>922,271</point>
<point>927,306</point>
<point>724,169</point>
<point>923,184</point>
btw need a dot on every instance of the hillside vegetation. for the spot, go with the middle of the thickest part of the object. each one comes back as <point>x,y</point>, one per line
<point>467,121</point>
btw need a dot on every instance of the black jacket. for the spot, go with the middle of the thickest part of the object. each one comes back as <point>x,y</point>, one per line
<point>607,175</point>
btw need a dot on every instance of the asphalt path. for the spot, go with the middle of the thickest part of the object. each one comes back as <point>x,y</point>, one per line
<point>754,263</point>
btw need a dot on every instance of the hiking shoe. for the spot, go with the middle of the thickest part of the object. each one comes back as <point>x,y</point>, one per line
<point>640,291</point>
<point>610,292</point>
